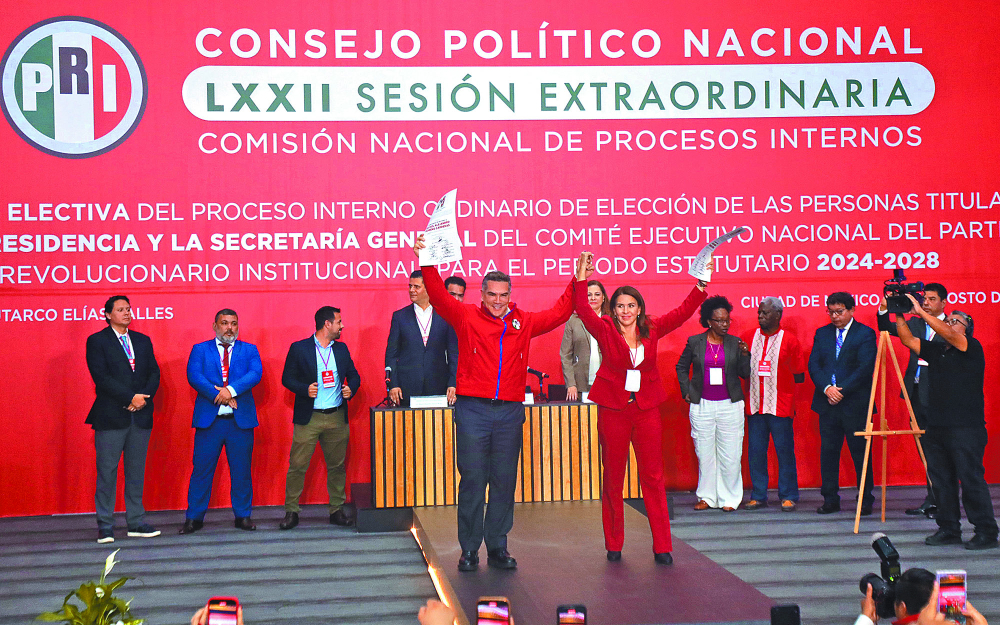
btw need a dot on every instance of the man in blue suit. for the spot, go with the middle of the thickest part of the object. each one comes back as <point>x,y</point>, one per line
<point>321,374</point>
<point>841,365</point>
<point>421,357</point>
<point>224,372</point>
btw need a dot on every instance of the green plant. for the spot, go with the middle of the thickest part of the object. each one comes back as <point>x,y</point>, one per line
<point>100,606</point>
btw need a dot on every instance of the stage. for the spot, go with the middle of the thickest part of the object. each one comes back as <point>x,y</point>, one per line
<point>728,567</point>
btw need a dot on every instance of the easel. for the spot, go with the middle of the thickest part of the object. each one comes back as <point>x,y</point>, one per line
<point>881,366</point>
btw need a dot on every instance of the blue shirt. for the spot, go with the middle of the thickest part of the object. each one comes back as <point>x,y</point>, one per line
<point>326,397</point>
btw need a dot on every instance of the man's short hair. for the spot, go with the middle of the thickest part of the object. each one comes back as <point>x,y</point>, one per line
<point>416,273</point>
<point>938,288</point>
<point>454,280</point>
<point>109,306</point>
<point>496,276</point>
<point>841,297</point>
<point>225,311</point>
<point>914,588</point>
<point>775,303</point>
<point>324,314</point>
<point>969,326</point>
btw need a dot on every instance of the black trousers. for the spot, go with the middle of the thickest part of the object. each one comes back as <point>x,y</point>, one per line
<point>487,447</point>
<point>920,412</point>
<point>834,428</point>
<point>955,457</point>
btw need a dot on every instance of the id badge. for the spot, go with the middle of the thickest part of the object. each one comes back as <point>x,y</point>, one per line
<point>715,376</point>
<point>632,378</point>
<point>921,362</point>
<point>329,379</point>
<point>764,368</point>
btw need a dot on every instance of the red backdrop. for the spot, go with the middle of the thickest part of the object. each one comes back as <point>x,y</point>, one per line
<point>906,175</point>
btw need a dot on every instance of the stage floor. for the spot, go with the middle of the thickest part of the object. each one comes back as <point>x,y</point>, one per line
<point>561,560</point>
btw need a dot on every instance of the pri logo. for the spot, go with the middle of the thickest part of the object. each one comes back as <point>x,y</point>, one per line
<point>73,87</point>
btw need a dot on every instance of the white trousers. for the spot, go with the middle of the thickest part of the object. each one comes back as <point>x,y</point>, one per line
<point>717,430</point>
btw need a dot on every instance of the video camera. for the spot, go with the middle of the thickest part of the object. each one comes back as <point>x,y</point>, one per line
<point>896,289</point>
<point>884,587</point>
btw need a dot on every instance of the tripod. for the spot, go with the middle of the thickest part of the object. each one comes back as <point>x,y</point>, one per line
<point>881,368</point>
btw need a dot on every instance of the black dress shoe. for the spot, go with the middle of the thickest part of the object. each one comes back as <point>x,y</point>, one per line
<point>245,523</point>
<point>191,526</point>
<point>614,556</point>
<point>828,508</point>
<point>500,559</point>
<point>927,509</point>
<point>469,561</point>
<point>339,518</point>
<point>982,541</point>
<point>943,537</point>
<point>291,520</point>
<point>866,509</point>
<point>663,558</point>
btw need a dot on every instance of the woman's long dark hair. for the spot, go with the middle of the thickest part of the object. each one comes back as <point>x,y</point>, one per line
<point>641,324</point>
<point>606,304</point>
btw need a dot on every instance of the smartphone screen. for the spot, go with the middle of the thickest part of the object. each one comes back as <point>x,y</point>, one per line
<point>493,611</point>
<point>222,610</point>
<point>951,594</point>
<point>572,615</point>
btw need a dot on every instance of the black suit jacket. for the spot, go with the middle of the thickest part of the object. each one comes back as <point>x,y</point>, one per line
<point>918,327</point>
<point>854,370</point>
<point>415,368</point>
<point>691,367</point>
<point>116,383</point>
<point>300,372</point>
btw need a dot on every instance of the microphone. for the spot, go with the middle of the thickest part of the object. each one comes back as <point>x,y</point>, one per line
<point>388,377</point>
<point>541,374</point>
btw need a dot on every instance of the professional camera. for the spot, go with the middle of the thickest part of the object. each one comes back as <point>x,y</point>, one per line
<point>884,587</point>
<point>895,291</point>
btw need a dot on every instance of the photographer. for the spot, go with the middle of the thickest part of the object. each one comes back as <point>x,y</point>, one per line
<point>955,438</point>
<point>935,298</point>
<point>913,591</point>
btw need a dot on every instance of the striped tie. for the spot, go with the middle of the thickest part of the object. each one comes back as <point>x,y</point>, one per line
<point>840,343</point>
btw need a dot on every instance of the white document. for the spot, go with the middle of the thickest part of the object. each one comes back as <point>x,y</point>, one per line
<point>441,236</point>
<point>699,266</point>
<point>429,401</point>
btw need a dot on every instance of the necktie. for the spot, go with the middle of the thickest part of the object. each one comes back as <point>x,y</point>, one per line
<point>840,343</point>
<point>128,352</point>
<point>225,363</point>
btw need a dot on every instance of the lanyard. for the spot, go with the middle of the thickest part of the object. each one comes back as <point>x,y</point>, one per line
<point>329,352</point>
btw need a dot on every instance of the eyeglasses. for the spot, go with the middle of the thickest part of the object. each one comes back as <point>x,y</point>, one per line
<point>721,322</point>
<point>956,322</point>
<point>836,312</point>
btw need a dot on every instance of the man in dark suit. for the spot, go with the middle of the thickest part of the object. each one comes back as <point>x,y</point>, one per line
<point>221,370</point>
<point>841,365</point>
<point>320,372</point>
<point>935,298</point>
<point>126,377</point>
<point>421,357</point>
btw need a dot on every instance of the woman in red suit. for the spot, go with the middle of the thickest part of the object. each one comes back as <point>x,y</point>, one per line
<point>629,392</point>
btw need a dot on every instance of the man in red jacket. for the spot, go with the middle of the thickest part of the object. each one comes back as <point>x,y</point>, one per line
<point>493,340</point>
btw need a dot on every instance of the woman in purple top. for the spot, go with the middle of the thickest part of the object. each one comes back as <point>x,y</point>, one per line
<point>709,372</point>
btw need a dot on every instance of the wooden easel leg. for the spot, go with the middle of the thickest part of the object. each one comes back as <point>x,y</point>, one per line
<point>882,342</point>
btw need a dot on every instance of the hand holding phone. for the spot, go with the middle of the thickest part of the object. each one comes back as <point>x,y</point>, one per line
<point>224,611</point>
<point>493,611</point>
<point>952,595</point>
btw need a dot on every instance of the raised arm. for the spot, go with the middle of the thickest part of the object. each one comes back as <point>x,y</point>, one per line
<point>445,305</point>
<point>958,340</point>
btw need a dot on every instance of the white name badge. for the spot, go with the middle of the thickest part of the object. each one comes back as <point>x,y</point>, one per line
<point>764,368</point>
<point>715,376</point>
<point>329,379</point>
<point>921,362</point>
<point>632,380</point>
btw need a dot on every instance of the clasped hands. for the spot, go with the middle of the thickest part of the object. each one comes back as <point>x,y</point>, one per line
<point>224,397</point>
<point>345,390</point>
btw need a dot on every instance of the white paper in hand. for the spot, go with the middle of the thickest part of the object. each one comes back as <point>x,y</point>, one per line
<point>699,266</point>
<point>441,241</point>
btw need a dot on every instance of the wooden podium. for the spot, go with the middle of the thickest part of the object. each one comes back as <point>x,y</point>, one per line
<point>413,456</point>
